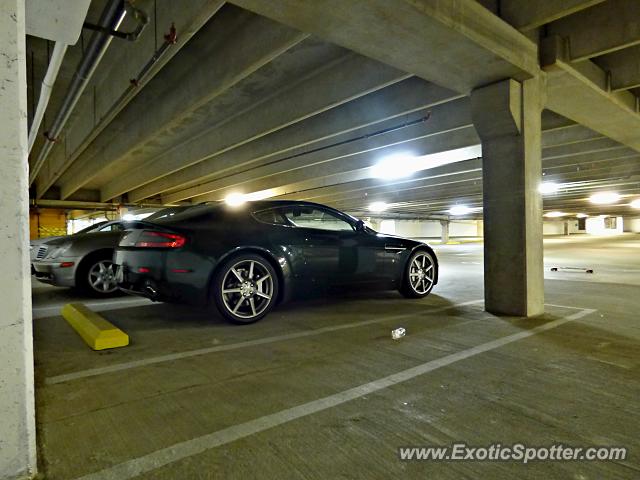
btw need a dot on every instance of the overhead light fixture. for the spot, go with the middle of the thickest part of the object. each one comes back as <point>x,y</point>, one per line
<point>237,199</point>
<point>378,207</point>
<point>635,203</point>
<point>127,217</point>
<point>548,188</point>
<point>604,198</point>
<point>460,210</point>
<point>581,215</point>
<point>405,164</point>
<point>555,214</point>
<point>398,165</point>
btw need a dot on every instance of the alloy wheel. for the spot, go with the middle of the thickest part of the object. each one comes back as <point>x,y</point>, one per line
<point>421,273</point>
<point>102,277</point>
<point>247,289</point>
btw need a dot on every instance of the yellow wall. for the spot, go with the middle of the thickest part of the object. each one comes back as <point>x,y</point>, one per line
<point>47,222</point>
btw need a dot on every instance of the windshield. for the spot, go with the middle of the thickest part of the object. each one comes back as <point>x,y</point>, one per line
<point>91,228</point>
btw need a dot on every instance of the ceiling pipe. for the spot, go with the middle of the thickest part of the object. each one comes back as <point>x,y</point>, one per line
<point>111,18</point>
<point>45,91</point>
<point>79,204</point>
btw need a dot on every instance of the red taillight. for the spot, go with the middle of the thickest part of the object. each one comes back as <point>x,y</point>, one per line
<point>143,270</point>
<point>160,240</point>
<point>66,264</point>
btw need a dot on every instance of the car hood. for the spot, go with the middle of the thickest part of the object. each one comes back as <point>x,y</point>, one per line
<point>45,240</point>
<point>56,240</point>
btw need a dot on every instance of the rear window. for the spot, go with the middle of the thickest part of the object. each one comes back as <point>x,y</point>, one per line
<point>193,214</point>
<point>168,212</point>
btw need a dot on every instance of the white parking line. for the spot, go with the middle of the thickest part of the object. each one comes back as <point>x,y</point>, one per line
<point>96,306</point>
<point>234,346</point>
<point>198,445</point>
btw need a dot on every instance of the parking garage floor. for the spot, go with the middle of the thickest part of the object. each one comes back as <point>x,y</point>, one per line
<point>319,389</point>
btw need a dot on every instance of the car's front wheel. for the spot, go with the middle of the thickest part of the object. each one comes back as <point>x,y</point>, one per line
<point>97,276</point>
<point>245,288</point>
<point>419,275</point>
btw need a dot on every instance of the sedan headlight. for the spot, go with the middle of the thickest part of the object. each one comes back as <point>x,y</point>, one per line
<point>61,250</point>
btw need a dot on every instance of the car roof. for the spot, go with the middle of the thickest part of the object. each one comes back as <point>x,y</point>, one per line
<point>260,204</point>
<point>247,208</point>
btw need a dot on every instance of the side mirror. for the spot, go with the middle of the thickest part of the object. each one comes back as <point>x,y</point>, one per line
<point>360,226</point>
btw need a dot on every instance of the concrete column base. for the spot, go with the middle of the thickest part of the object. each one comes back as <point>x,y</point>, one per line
<point>444,236</point>
<point>507,116</point>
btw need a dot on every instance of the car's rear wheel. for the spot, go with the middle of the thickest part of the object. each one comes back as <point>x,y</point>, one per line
<point>245,288</point>
<point>419,275</point>
<point>97,276</point>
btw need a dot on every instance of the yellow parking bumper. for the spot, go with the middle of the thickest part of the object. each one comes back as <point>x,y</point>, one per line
<point>97,332</point>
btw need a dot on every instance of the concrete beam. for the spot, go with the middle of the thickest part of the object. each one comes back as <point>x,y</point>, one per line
<point>371,112</point>
<point>17,406</point>
<point>447,116</point>
<point>436,188</point>
<point>622,67</point>
<point>437,200</point>
<point>450,116</point>
<point>602,29</point>
<point>458,44</point>
<point>456,173</point>
<point>529,14</point>
<point>599,144</point>
<point>124,63</point>
<point>349,78</point>
<point>579,92</point>
<point>226,50</point>
<point>347,169</point>
<point>568,135</point>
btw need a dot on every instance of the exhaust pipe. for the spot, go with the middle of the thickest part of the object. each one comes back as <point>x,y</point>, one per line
<point>149,290</point>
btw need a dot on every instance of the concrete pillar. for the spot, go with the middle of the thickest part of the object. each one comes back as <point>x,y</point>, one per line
<point>444,235</point>
<point>17,411</point>
<point>507,116</point>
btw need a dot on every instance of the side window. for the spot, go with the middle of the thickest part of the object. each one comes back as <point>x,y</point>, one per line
<point>310,217</point>
<point>272,216</point>
<point>114,227</point>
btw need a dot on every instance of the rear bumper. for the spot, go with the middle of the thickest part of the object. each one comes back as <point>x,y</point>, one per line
<point>163,276</point>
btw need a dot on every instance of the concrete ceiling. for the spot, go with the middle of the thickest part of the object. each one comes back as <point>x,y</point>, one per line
<point>302,98</point>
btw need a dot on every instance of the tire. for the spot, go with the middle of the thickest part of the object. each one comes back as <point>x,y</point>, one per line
<point>96,276</point>
<point>419,275</point>
<point>245,288</point>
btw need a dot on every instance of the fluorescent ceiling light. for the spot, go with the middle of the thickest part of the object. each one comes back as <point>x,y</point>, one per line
<point>394,166</point>
<point>555,214</point>
<point>128,217</point>
<point>604,198</point>
<point>402,165</point>
<point>582,215</point>
<point>548,187</point>
<point>378,207</point>
<point>635,203</point>
<point>460,210</point>
<point>236,199</point>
